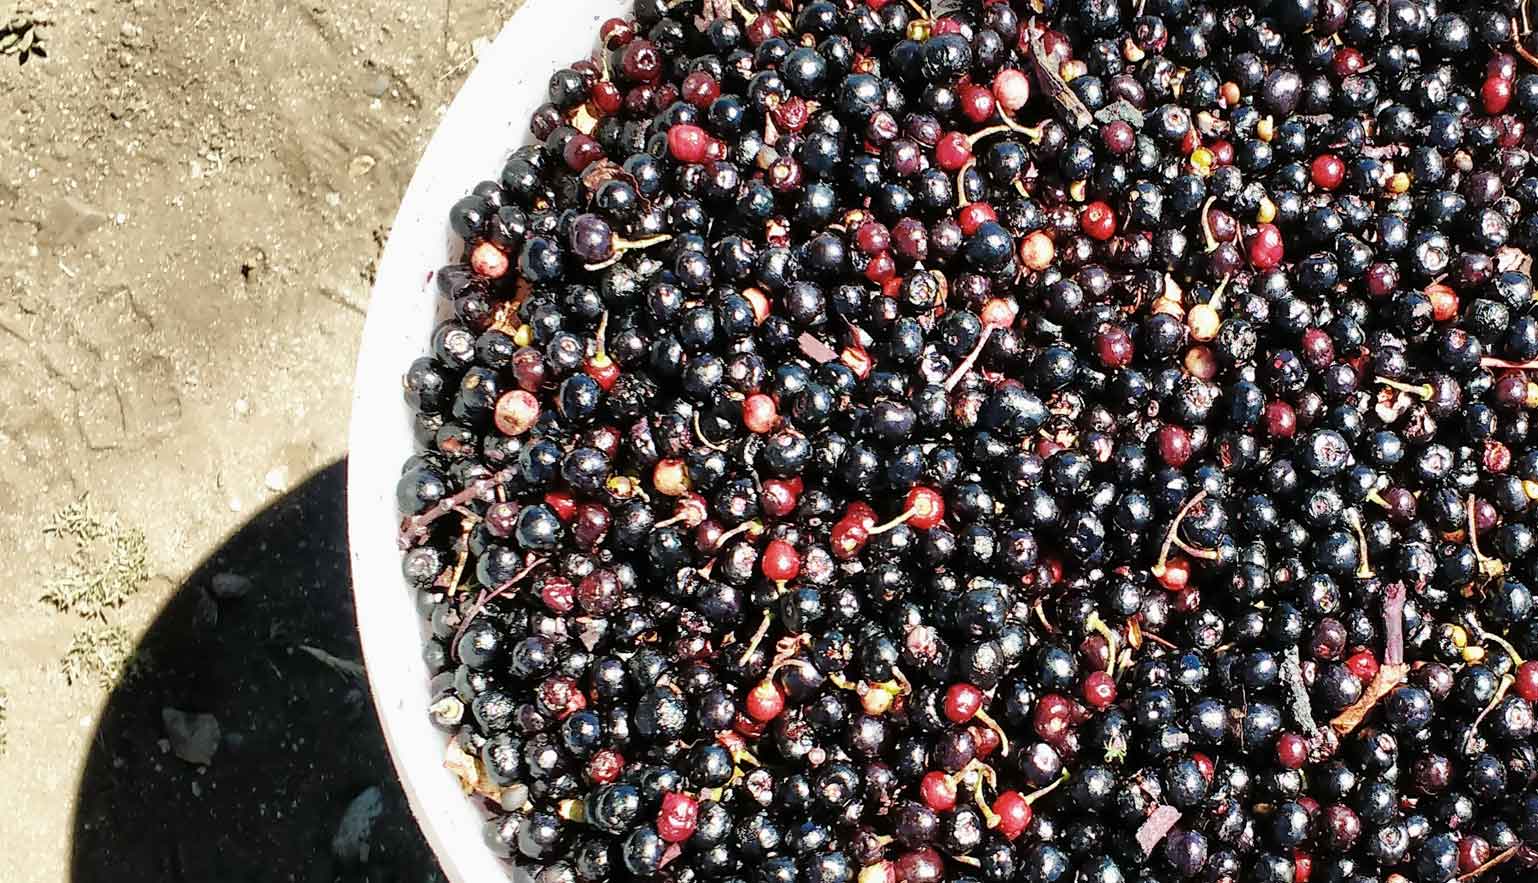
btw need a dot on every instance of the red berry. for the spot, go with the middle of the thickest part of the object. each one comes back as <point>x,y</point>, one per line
<point>1052,716</point>
<point>973,216</point>
<point>1174,445</point>
<point>1204,765</point>
<point>927,506</point>
<point>687,143</point>
<point>962,702</point>
<point>1013,812</point>
<point>1280,419</point>
<point>699,89</point>
<point>563,503</point>
<point>1527,680</point>
<point>676,821</point>
<point>976,103</point>
<point>765,701</point>
<point>1496,94</point>
<point>780,496</point>
<point>1177,573</point>
<point>1119,137</point>
<point>758,413</point>
<point>607,98</point>
<point>953,151</point>
<point>1327,171</point>
<point>1011,89</point>
<point>1099,690</point>
<point>938,791</point>
<point>848,538</point>
<point>1098,221</point>
<point>1114,346</point>
<point>1302,866</point>
<point>781,561</point>
<point>1266,247</point>
<point>581,151</point>
<point>881,268</point>
<point>1291,751</point>
<point>1363,664</point>
<point>605,765</point>
<point>616,32</point>
<point>1473,851</point>
<point>862,513</point>
<point>488,260</point>
<point>1347,61</point>
<point>873,237</point>
<point>558,594</point>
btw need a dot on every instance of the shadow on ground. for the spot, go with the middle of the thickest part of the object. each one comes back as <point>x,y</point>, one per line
<point>299,740</point>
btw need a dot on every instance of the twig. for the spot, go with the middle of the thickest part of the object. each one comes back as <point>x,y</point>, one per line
<point>344,667</point>
<point>1297,692</point>
<point>1062,97</point>
<point>414,527</point>
<point>488,597</point>
<point>1393,670</point>
<point>1500,859</point>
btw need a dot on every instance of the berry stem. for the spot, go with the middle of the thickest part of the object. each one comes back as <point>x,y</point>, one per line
<point>1424,390</point>
<point>966,364</point>
<point>414,527</point>
<point>979,135</point>
<point>1502,857</point>
<point>1043,791</point>
<point>758,637</point>
<point>705,440</point>
<point>1098,625</point>
<point>1207,235</point>
<point>899,520</point>
<point>1490,567</point>
<point>1364,567</point>
<point>1393,669</point>
<point>1493,362</point>
<point>993,725</point>
<point>486,598</point>
<point>1170,538</point>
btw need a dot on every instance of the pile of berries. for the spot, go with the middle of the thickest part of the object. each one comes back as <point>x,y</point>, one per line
<point>1058,441</point>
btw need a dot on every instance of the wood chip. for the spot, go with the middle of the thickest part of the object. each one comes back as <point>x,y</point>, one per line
<point>815,349</point>
<point>1057,91</point>
<point>1156,827</point>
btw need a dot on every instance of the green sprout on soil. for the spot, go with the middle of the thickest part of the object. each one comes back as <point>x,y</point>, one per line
<point>109,563</point>
<point>103,655</point>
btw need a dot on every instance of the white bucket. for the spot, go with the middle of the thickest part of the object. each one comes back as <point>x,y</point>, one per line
<point>488,118</point>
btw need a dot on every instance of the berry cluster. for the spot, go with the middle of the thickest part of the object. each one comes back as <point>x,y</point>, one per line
<point>1064,441</point>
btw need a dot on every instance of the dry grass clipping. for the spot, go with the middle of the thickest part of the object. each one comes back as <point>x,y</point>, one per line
<point>109,564</point>
<point>103,655</point>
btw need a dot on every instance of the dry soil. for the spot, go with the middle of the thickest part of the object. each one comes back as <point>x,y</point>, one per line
<point>192,198</point>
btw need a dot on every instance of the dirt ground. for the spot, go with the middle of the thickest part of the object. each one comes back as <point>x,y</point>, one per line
<point>192,199</point>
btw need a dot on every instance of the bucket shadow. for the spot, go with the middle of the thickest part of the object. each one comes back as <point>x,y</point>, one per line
<point>300,740</point>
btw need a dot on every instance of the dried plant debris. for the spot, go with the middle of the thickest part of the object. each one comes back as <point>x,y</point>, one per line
<point>21,33</point>
<point>5,706</point>
<point>104,655</point>
<point>109,564</point>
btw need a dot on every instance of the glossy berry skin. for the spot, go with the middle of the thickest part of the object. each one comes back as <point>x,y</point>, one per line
<point>962,702</point>
<point>677,819</point>
<point>1265,247</point>
<point>938,791</point>
<point>1098,221</point>
<point>1014,814</point>
<point>781,561</point>
<point>1327,171</point>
